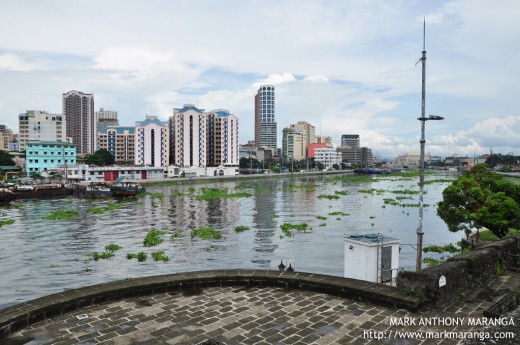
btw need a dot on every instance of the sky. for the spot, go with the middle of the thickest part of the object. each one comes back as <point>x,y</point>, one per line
<point>346,67</point>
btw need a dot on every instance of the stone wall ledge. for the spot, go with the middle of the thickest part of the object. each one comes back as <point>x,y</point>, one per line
<point>25,314</point>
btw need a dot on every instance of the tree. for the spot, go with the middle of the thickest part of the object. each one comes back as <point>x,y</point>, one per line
<point>481,198</point>
<point>100,157</point>
<point>5,158</point>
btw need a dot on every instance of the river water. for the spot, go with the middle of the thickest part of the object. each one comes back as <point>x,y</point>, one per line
<point>40,256</point>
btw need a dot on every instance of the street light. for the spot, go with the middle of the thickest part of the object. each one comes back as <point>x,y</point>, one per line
<point>423,119</point>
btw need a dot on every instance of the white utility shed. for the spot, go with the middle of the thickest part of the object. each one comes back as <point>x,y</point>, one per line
<point>371,257</point>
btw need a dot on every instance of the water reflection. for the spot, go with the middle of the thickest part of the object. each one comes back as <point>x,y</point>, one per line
<point>40,256</point>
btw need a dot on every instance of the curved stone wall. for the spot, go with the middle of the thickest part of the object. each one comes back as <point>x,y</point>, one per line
<point>22,315</point>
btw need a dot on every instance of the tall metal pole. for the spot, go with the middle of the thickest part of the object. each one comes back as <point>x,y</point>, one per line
<point>420,231</point>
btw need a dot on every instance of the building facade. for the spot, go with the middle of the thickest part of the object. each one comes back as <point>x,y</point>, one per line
<point>119,141</point>
<point>44,155</point>
<point>105,118</point>
<point>187,127</point>
<point>265,120</point>
<point>328,156</point>
<point>308,136</point>
<point>78,110</point>
<point>222,139</point>
<point>151,142</point>
<point>358,156</point>
<point>292,143</point>
<point>6,136</point>
<point>42,126</point>
<point>351,140</point>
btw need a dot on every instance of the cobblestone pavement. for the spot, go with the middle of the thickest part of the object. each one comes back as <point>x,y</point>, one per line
<point>261,316</point>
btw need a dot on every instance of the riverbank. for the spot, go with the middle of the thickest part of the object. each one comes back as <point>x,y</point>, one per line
<point>206,179</point>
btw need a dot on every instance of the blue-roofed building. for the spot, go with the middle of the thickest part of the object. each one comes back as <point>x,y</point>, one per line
<point>119,141</point>
<point>44,155</point>
<point>151,142</point>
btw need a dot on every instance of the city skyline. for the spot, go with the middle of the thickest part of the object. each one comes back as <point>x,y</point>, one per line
<point>343,67</point>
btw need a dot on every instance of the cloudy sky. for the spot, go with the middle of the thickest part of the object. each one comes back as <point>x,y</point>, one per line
<point>344,66</point>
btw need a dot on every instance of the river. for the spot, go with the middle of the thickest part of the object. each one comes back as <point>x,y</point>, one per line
<point>40,256</point>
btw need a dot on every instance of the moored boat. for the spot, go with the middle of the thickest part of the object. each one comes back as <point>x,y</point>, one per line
<point>125,189</point>
<point>41,191</point>
<point>93,192</point>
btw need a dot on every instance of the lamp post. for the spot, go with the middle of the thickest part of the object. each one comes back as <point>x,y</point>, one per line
<point>423,119</point>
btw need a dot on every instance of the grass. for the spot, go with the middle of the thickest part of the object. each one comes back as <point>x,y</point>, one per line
<point>141,256</point>
<point>160,256</point>
<point>153,238</point>
<point>241,228</point>
<point>69,215</point>
<point>6,222</point>
<point>206,233</point>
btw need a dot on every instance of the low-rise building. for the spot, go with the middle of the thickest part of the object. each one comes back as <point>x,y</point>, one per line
<point>44,155</point>
<point>84,172</point>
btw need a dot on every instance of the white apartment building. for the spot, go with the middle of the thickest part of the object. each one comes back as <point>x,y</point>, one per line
<point>187,127</point>
<point>328,156</point>
<point>41,126</point>
<point>151,142</point>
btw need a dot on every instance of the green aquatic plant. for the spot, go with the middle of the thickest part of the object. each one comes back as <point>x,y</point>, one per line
<point>206,233</point>
<point>175,193</point>
<point>141,256</point>
<point>351,179</point>
<point>287,227</point>
<point>372,191</point>
<point>338,213</point>
<point>405,191</point>
<point>153,238</point>
<point>323,224</point>
<point>6,222</point>
<point>176,235</point>
<point>219,193</point>
<point>62,215</point>
<point>54,265</point>
<point>160,256</point>
<point>341,192</point>
<point>321,218</point>
<point>330,197</point>
<point>241,228</point>
<point>104,255</point>
<point>112,247</point>
<point>100,210</point>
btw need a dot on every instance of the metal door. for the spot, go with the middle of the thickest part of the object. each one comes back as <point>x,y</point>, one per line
<point>386,264</point>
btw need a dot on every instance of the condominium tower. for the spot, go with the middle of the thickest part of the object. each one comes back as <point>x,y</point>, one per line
<point>119,141</point>
<point>78,110</point>
<point>222,139</point>
<point>41,126</point>
<point>187,128</point>
<point>151,142</point>
<point>265,124</point>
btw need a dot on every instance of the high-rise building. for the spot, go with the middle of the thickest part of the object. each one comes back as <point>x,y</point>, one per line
<point>105,118</point>
<point>292,142</point>
<point>221,139</point>
<point>119,141</point>
<point>265,122</point>
<point>187,128</point>
<point>308,136</point>
<point>78,110</point>
<point>42,126</point>
<point>351,140</point>
<point>6,135</point>
<point>151,142</point>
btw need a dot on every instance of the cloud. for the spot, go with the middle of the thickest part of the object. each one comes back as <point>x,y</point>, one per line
<point>13,62</point>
